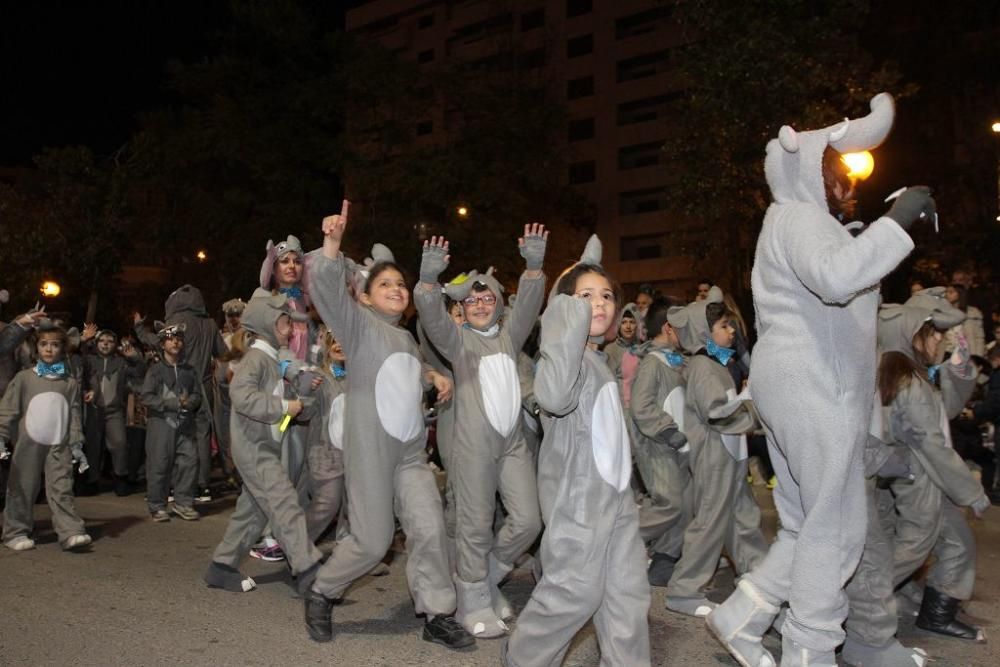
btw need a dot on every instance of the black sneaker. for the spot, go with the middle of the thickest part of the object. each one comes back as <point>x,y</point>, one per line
<point>445,630</point>
<point>661,569</point>
<point>319,616</point>
<point>204,497</point>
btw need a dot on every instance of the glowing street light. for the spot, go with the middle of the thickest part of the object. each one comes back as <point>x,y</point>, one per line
<point>50,288</point>
<point>860,165</point>
<point>201,255</point>
<point>462,211</point>
<point>996,127</point>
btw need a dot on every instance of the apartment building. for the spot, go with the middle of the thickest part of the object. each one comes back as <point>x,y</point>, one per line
<point>611,62</point>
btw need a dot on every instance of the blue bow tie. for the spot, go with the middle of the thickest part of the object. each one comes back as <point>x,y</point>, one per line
<point>338,371</point>
<point>932,373</point>
<point>674,359</point>
<point>293,292</point>
<point>42,369</point>
<point>723,354</point>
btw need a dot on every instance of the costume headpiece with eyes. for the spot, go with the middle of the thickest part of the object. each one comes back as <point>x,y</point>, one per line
<point>473,281</point>
<point>273,253</point>
<point>164,330</point>
<point>263,311</point>
<point>899,323</point>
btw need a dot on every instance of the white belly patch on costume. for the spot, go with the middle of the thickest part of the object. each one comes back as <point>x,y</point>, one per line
<point>335,425</point>
<point>500,389</point>
<point>674,406</point>
<point>47,418</point>
<point>398,396</point>
<point>612,453</point>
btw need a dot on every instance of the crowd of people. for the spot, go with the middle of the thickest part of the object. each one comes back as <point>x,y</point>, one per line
<point>603,446</point>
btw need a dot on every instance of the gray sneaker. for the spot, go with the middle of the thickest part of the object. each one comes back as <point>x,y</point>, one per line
<point>159,516</point>
<point>186,513</point>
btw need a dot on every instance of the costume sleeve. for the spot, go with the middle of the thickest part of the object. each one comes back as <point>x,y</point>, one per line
<point>248,399</point>
<point>837,266</point>
<point>916,421</point>
<point>558,377</point>
<point>989,408</point>
<point>974,331</point>
<point>194,392</point>
<point>10,408</point>
<point>153,394</point>
<point>11,336</point>
<point>328,291</point>
<point>957,385</point>
<point>75,414</point>
<point>218,344</point>
<point>707,390</point>
<point>437,324</point>
<point>429,352</point>
<point>145,336</point>
<point>650,418</point>
<point>530,297</point>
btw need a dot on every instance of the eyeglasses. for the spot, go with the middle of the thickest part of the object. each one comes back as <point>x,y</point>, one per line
<point>485,299</point>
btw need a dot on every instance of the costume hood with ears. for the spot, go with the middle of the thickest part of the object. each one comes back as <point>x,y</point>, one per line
<point>234,307</point>
<point>632,311</point>
<point>691,321</point>
<point>898,324</point>
<point>263,311</point>
<point>272,253</point>
<point>593,252</point>
<point>361,272</point>
<point>793,165</point>
<point>463,285</point>
<point>185,298</point>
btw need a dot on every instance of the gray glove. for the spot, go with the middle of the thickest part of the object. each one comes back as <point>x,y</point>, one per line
<point>79,457</point>
<point>914,204</point>
<point>433,262</point>
<point>533,251</point>
<point>897,466</point>
<point>980,506</point>
<point>676,440</point>
<point>4,452</point>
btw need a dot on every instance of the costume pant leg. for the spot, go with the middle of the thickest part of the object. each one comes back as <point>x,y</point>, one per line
<point>159,463</point>
<point>246,525</point>
<point>185,468</point>
<point>93,446</point>
<point>474,485</point>
<point>418,506</point>
<point>59,492</point>
<point>622,620</point>
<point>26,465</point>
<point>114,437</point>
<point>220,425</point>
<point>519,492</point>
<point>826,528</point>
<point>663,522</point>
<point>918,525</point>
<point>326,475</point>
<point>954,572</point>
<point>203,438</point>
<point>714,473</point>
<point>871,619</point>
<point>746,544</point>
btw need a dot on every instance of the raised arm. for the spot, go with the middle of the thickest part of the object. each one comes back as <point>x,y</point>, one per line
<point>328,284</point>
<point>558,379</point>
<point>427,297</point>
<point>531,286</point>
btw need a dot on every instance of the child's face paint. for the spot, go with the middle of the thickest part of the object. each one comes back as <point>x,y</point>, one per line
<point>388,293</point>
<point>723,332</point>
<point>480,307</point>
<point>628,327</point>
<point>596,289</point>
<point>283,330</point>
<point>105,345</point>
<point>288,270</point>
<point>50,348</point>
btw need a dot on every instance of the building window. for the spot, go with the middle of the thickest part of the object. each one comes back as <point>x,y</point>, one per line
<point>580,129</point>
<point>641,201</point>
<point>425,56</point>
<point>640,155</point>
<point>641,23</point>
<point>532,20</point>
<point>532,59</point>
<point>424,128</point>
<point>580,46</point>
<point>578,7</point>
<point>646,109</point>
<point>642,66</point>
<point>582,87</point>
<point>643,246</point>
<point>489,27</point>
<point>582,172</point>
<point>425,21</point>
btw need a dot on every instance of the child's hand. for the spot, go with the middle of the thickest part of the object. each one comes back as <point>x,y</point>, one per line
<point>183,399</point>
<point>532,246</point>
<point>31,318</point>
<point>4,452</point>
<point>294,407</point>
<point>89,331</point>
<point>88,396</point>
<point>128,350</point>
<point>316,382</point>
<point>137,318</point>
<point>79,457</point>
<point>434,260</point>
<point>443,386</point>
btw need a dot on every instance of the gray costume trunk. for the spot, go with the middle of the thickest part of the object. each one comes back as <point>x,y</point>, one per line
<point>384,459</point>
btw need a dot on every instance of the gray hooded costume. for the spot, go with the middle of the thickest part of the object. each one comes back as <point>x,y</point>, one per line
<point>258,399</point>
<point>488,452</point>
<point>325,455</point>
<point>726,516</point>
<point>593,560</point>
<point>384,459</point>
<point>616,349</point>
<point>202,344</point>
<point>813,378</point>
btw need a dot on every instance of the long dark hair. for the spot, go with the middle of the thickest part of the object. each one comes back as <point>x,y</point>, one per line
<point>835,172</point>
<point>895,371</point>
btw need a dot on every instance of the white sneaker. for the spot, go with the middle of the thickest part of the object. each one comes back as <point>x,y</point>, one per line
<point>77,542</point>
<point>21,544</point>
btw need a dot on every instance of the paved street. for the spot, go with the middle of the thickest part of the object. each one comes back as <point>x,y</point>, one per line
<point>137,599</point>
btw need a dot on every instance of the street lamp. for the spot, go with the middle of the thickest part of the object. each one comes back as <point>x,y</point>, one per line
<point>50,288</point>
<point>201,255</point>
<point>996,127</point>
<point>860,165</point>
<point>463,211</point>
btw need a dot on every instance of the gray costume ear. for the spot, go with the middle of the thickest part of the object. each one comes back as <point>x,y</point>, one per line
<point>714,295</point>
<point>593,251</point>
<point>461,285</point>
<point>381,253</point>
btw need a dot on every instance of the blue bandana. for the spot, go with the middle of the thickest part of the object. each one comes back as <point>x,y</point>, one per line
<point>293,292</point>
<point>283,366</point>
<point>674,359</point>
<point>932,373</point>
<point>42,369</point>
<point>722,354</point>
<point>338,371</point>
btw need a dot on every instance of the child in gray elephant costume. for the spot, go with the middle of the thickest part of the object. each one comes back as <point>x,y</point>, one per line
<point>815,289</point>
<point>593,560</point>
<point>489,453</point>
